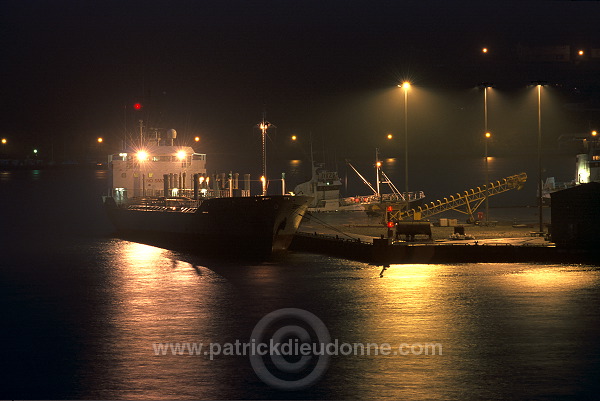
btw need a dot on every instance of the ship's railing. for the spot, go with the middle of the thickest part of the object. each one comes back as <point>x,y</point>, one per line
<point>189,193</point>
<point>182,198</point>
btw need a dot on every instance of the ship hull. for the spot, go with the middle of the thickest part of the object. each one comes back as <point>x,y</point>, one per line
<point>248,226</point>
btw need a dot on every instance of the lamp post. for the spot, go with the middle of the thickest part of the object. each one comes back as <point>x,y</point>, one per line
<point>406,86</point>
<point>539,85</point>
<point>488,135</point>
<point>264,126</point>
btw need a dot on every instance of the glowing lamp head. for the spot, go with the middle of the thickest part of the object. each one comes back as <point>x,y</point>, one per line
<point>181,155</point>
<point>142,155</point>
<point>294,137</point>
<point>100,140</point>
<point>488,135</point>
<point>594,133</point>
<point>406,85</point>
<point>197,139</point>
<point>378,164</point>
<point>580,52</point>
<point>4,141</point>
<point>35,151</point>
<point>389,136</point>
<point>484,50</point>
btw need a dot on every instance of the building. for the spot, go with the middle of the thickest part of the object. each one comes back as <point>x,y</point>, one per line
<point>576,217</point>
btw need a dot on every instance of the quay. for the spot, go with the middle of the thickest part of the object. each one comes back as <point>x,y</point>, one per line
<point>500,242</point>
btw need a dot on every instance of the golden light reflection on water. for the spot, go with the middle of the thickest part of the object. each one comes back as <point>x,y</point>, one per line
<point>5,176</point>
<point>409,309</point>
<point>159,298</point>
<point>549,278</point>
<point>489,318</point>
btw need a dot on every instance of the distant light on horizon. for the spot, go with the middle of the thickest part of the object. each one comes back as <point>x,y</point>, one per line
<point>4,141</point>
<point>197,139</point>
<point>488,134</point>
<point>594,133</point>
<point>580,52</point>
<point>484,50</point>
<point>100,139</point>
<point>389,136</point>
<point>294,137</point>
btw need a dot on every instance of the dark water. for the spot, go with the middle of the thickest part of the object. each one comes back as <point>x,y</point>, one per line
<point>81,310</point>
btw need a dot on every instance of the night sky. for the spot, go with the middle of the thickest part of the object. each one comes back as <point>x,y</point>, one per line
<point>71,71</point>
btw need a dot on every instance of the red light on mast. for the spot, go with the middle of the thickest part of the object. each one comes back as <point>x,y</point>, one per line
<point>390,224</point>
<point>137,106</point>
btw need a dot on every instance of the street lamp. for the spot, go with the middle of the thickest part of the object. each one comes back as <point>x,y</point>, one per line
<point>405,86</point>
<point>4,141</point>
<point>539,85</point>
<point>485,86</point>
<point>488,135</point>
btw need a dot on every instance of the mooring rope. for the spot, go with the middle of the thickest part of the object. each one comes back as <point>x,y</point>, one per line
<point>312,216</point>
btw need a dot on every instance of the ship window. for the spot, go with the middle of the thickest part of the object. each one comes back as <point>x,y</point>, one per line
<point>150,175</point>
<point>596,157</point>
<point>123,175</point>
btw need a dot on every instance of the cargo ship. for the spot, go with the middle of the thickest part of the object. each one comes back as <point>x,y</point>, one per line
<point>162,193</point>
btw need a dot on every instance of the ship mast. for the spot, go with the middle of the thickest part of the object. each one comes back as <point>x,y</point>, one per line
<point>377,167</point>
<point>264,126</point>
<point>141,133</point>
